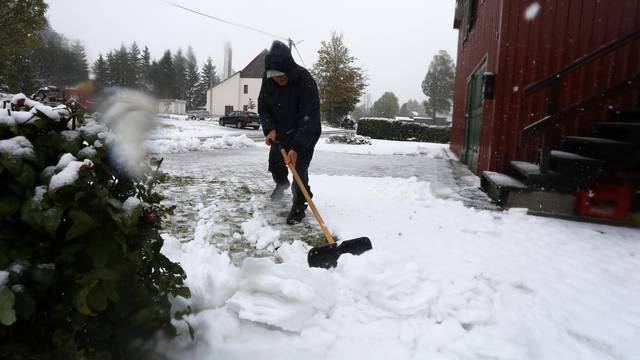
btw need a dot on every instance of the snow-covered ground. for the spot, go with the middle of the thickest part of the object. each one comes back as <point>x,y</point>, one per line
<point>178,134</point>
<point>171,127</point>
<point>386,147</point>
<point>443,281</point>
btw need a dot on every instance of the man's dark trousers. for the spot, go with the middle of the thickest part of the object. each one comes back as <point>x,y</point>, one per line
<point>279,171</point>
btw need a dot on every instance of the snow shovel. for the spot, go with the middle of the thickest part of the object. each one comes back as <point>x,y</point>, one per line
<point>326,256</point>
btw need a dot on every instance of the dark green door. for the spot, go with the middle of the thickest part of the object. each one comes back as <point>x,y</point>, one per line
<point>473,118</point>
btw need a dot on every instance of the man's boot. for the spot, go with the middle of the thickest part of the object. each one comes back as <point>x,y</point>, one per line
<point>296,214</point>
<point>278,192</point>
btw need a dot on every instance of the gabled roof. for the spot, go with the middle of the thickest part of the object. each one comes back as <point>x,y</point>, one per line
<point>255,69</point>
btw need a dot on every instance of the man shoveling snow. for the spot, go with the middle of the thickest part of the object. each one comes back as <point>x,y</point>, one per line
<point>289,108</point>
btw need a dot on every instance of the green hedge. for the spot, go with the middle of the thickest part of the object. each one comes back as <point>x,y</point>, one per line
<point>388,129</point>
<point>81,272</point>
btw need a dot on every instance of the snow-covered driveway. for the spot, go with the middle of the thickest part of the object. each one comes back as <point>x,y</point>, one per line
<point>448,278</point>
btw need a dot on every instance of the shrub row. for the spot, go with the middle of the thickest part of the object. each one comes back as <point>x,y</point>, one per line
<point>389,129</point>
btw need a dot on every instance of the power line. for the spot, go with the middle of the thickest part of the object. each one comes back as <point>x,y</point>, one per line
<point>300,56</point>
<point>225,21</point>
<point>292,44</point>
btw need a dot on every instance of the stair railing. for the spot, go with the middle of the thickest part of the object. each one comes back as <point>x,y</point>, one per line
<point>553,117</point>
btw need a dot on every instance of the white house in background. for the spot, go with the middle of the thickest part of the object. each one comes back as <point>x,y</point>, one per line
<point>238,92</point>
<point>172,106</point>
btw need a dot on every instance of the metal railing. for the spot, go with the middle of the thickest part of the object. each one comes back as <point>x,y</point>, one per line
<point>553,116</point>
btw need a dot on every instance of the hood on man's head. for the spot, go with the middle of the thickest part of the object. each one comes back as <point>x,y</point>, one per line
<point>279,58</point>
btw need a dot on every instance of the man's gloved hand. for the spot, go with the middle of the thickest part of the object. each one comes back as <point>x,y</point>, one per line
<point>270,138</point>
<point>292,156</point>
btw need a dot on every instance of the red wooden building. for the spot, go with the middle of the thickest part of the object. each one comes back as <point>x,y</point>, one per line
<point>535,78</point>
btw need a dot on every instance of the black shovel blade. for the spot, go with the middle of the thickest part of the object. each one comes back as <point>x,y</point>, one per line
<point>326,256</point>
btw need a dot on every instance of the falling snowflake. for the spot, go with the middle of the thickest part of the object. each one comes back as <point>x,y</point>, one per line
<point>532,11</point>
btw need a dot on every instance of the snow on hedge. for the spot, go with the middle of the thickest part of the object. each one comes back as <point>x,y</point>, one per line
<point>18,147</point>
<point>67,171</point>
<point>12,118</point>
<point>4,276</point>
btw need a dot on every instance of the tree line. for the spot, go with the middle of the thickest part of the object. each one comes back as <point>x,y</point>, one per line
<point>49,59</point>
<point>173,76</point>
<point>33,55</point>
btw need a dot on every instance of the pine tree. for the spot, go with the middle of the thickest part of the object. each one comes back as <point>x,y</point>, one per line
<point>163,76</point>
<point>180,69</point>
<point>145,63</point>
<point>192,79</point>
<point>134,67</point>
<point>81,66</point>
<point>101,72</point>
<point>387,106</point>
<point>438,84</point>
<point>117,63</point>
<point>340,83</point>
<point>208,79</point>
<point>19,25</point>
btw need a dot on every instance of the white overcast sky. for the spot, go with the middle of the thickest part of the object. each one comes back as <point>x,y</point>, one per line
<point>393,40</point>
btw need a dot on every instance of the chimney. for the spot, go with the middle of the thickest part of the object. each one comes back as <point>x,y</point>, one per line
<point>227,61</point>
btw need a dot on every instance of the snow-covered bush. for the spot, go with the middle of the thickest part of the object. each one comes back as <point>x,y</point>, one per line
<point>350,139</point>
<point>81,273</point>
<point>388,129</point>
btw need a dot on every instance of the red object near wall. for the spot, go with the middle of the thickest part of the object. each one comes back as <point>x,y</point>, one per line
<point>521,49</point>
<point>605,201</point>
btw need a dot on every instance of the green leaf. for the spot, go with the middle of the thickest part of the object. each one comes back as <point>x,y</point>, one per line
<point>144,317</point>
<point>44,277</point>
<point>99,250</point>
<point>13,165</point>
<point>9,205</point>
<point>111,291</point>
<point>92,277</point>
<point>69,252</point>
<point>27,177</point>
<point>81,223</point>
<point>4,260</point>
<point>7,313</point>
<point>182,291</point>
<point>81,299</point>
<point>51,220</point>
<point>126,222</point>
<point>41,220</point>
<point>25,304</point>
<point>97,299</point>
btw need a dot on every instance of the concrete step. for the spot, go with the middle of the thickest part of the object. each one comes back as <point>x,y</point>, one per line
<point>580,169</point>
<point>625,115</point>
<point>498,186</point>
<point>621,131</point>
<point>598,148</point>
<point>530,174</point>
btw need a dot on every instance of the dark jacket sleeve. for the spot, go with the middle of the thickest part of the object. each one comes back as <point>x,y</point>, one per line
<point>264,112</point>
<point>309,127</point>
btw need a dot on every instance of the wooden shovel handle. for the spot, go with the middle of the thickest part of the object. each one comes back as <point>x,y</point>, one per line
<point>307,197</point>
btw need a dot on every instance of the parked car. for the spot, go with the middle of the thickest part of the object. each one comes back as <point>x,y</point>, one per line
<point>241,119</point>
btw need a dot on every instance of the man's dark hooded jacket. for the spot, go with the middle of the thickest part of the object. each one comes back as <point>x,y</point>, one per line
<point>292,110</point>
